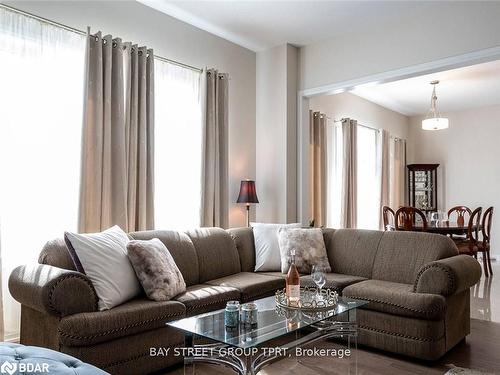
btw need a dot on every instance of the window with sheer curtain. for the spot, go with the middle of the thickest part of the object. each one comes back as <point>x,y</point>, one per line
<point>368,194</point>
<point>41,98</point>
<point>334,165</point>
<point>368,169</point>
<point>178,145</point>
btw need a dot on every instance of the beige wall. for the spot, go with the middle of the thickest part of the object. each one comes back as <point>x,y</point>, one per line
<point>276,134</point>
<point>454,28</point>
<point>176,40</point>
<point>365,112</point>
<point>468,155</point>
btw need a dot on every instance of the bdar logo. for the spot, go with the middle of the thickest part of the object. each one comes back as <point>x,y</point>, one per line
<point>8,368</point>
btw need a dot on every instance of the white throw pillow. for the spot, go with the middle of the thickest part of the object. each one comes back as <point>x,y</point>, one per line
<point>103,258</point>
<point>267,250</point>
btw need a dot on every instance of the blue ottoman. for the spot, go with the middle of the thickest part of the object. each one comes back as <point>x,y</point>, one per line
<point>22,360</point>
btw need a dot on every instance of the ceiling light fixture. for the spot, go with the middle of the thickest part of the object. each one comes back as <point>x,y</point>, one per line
<point>434,121</point>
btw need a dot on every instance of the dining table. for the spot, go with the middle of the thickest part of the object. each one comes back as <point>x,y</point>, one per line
<point>444,227</point>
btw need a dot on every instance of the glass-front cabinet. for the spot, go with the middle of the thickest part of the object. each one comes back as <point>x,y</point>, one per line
<point>422,186</point>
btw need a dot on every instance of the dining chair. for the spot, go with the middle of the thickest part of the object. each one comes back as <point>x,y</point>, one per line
<point>461,212</point>
<point>389,218</point>
<point>405,219</point>
<point>470,244</point>
<point>484,245</point>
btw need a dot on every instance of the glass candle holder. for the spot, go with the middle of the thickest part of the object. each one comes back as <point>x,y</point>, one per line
<point>232,314</point>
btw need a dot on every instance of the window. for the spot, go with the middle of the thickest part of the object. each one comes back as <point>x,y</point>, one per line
<point>178,145</point>
<point>41,100</point>
<point>368,183</point>
<point>334,166</point>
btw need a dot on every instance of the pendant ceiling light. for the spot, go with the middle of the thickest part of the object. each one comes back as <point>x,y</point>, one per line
<point>434,121</point>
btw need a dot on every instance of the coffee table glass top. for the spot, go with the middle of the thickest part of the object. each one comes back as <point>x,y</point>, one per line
<point>270,323</point>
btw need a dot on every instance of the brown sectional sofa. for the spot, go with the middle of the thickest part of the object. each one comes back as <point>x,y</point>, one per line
<point>417,285</point>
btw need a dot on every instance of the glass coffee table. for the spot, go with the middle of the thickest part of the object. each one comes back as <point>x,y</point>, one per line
<point>244,349</point>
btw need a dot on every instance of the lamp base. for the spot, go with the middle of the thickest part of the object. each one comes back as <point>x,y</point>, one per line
<point>248,215</point>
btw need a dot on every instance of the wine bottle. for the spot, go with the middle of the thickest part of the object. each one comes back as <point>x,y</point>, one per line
<point>293,281</point>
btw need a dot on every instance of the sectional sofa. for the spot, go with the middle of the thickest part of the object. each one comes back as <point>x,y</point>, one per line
<point>417,285</point>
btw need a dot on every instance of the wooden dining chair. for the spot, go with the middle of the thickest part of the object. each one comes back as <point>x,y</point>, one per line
<point>470,245</point>
<point>389,218</point>
<point>462,212</point>
<point>484,245</point>
<point>405,219</point>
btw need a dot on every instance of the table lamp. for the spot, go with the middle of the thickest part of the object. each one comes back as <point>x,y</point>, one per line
<point>247,195</point>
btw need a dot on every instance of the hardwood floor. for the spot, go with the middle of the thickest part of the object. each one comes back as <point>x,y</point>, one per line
<point>480,351</point>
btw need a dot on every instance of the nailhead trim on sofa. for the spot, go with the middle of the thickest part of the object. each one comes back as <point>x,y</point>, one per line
<point>399,334</point>
<point>137,324</point>
<point>451,279</point>
<point>424,312</point>
<point>63,278</point>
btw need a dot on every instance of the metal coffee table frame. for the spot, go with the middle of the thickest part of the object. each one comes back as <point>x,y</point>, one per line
<point>249,361</point>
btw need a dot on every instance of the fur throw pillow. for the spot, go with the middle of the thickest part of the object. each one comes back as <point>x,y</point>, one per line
<point>156,270</point>
<point>309,249</point>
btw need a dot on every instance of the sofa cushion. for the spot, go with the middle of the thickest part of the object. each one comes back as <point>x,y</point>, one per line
<point>245,244</point>
<point>180,247</point>
<point>400,255</point>
<point>352,251</point>
<point>275,274</point>
<point>216,252</point>
<point>202,298</point>
<point>251,285</point>
<point>397,299</point>
<point>135,316</point>
<point>334,281</point>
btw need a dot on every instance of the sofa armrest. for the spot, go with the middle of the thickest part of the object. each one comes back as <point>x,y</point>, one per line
<point>52,290</point>
<point>448,276</point>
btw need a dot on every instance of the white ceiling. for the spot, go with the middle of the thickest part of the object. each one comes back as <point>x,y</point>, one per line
<point>259,24</point>
<point>463,88</point>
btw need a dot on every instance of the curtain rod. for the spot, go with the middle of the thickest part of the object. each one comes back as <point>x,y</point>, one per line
<point>81,32</point>
<point>365,126</point>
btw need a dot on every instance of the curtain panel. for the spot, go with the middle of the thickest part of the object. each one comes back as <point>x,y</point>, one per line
<point>398,178</point>
<point>117,172</point>
<point>318,167</point>
<point>349,174</point>
<point>384,154</point>
<point>215,198</point>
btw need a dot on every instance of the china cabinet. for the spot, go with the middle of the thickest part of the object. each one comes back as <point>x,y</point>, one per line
<point>422,186</point>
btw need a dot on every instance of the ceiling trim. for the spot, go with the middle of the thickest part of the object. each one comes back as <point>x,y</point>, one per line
<point>458,61</point>
<point>178,13</point>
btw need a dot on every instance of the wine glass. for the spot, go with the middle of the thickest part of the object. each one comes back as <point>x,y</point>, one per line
<point>318,276</point>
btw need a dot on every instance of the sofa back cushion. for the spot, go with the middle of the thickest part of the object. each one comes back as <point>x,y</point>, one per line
<point>55,253</point>
<point>180,247</point>
<point>352,251</point>
<point>401,254</point>
<point>245,244</point>
<point>216,251</point>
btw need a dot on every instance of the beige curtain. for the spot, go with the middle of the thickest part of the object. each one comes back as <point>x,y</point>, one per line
<point>215,199</point>
<point>2,325</point>
<point>384,152</point>
<point>349,174</point>
<point>117,176</point>
<point>318,167</point>
<point>398,179</point>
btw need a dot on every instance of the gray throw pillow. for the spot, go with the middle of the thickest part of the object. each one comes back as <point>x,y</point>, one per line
<point>156,270</point>
<point>309,249</point>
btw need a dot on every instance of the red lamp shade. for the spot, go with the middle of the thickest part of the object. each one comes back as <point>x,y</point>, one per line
<point>247,192</point>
